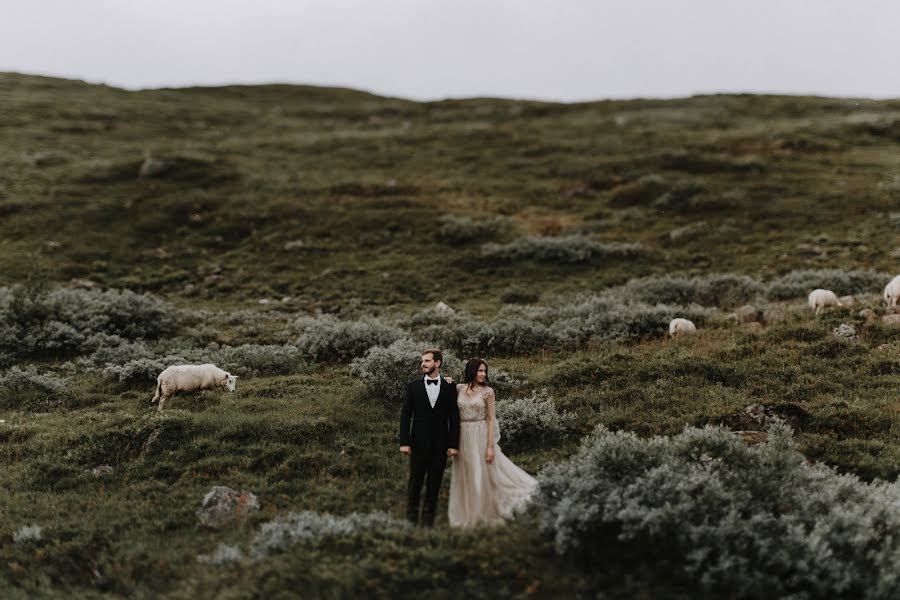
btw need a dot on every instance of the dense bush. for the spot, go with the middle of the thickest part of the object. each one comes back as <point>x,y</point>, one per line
<point>798,284</point>
<point>723,290</point>
<point>138,370</point>
<point>747,522</point>
<point>326,338</point>
<point>26,389</point>
<point>567,249</point>
<point>307,526</point>
<point>387,370</point>
<point>565,324</point>
<point>471,337</point>
<point>599,318</point>
<point>458,229</point>
<point>256,359</point>
<point>34,321</point>
<point>531,420</point>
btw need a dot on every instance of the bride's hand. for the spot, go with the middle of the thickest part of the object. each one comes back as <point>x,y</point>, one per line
<point>448,379</point>
<point>489,455</point>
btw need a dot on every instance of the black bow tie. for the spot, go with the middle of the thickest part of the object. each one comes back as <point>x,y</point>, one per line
<point>430,381</point>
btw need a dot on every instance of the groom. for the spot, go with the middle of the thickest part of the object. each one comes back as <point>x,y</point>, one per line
<point>430,405</point>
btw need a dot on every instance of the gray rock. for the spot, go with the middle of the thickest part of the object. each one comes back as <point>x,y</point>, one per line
<point>845,330</point>
<point>443,308</point>
<point>223,506</point>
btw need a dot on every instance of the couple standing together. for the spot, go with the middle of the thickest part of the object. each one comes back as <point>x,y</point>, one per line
<point>440,419</point>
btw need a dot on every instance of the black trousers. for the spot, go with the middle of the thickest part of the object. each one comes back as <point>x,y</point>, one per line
<point>425,466</point>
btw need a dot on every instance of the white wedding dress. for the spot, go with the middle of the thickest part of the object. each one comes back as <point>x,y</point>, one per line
<point>483,493</point>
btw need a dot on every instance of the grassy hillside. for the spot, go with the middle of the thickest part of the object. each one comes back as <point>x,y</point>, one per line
<point>372,210</point>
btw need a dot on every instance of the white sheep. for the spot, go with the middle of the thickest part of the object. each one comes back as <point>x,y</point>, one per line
<point>819,299</point>
<point>191,378</point>
<point>681,326</point>
<point>892,292</point>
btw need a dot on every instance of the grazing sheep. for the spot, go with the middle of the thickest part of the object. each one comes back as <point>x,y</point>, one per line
<point>679,326</point>
<point>819,299</point>
<point>892,292</point>
<point>191,378</point>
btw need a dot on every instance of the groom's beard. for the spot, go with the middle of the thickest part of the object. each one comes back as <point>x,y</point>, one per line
<point>431,372</point>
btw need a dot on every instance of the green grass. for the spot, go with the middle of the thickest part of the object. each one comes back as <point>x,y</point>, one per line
<point>781,183</point>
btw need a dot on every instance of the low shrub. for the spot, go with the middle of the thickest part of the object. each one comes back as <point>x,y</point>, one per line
<point>387,370</point>
<point>797,284</point>
<point>39,322</point>
<point>256,359</point>
<point>326,338</point>
<point>719,289</point>
<point>27,389</point>
<point>566,249</point>
<point>566,324</point>
<point>459,229</point>
<point>140,370</point>
<point>472,337</point>
<point>599,318</point>
<point>746,522</point>
<point>310,527</point>
<point>531,420</point>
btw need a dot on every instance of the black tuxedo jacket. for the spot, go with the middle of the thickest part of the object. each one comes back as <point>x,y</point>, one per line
<point>435,428</point>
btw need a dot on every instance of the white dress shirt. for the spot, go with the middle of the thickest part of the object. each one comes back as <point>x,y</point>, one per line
<point>433,390</point>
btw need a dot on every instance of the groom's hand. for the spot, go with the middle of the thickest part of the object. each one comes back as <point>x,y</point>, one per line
<point>452,451</point>
<point>405,450</point>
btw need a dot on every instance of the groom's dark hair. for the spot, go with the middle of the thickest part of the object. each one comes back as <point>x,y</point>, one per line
<point>436,354</point>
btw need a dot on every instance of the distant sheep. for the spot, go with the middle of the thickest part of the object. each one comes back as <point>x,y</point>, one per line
<point>819,299</point>
<point>679,327</point>
<point>191,378</point>
<point>892,292</point>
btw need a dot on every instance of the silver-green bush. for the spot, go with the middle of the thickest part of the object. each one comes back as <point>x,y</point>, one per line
<point>531,420</point>
<point>567,249</point>
<point>34,321</point>
<point>721,289</point>
<point>256,359</point>
<point>310,527</point>
<point>749,522</point>
<point>327,338</point>
<point>138,370</point>
<point>797,284</point>
<point>27,389</point>
<point>387,370</point>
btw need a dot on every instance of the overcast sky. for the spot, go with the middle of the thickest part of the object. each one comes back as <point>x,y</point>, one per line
<point>428,49</point>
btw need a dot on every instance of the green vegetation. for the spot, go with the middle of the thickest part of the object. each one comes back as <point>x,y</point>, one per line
<point>285,232</point>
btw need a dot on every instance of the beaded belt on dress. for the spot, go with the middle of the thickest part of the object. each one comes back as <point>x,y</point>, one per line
<point>471,420</point>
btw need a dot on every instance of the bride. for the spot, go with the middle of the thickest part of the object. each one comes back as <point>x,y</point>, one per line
<point>485,486</point>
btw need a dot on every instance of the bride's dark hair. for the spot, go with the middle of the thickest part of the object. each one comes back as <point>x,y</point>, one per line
<point>472,370</point>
